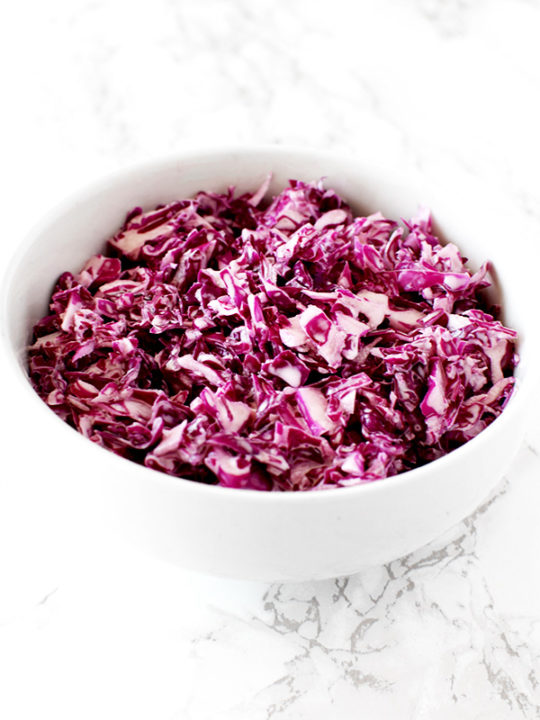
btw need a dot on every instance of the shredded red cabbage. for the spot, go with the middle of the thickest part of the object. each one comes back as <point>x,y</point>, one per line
<point>286,347</point>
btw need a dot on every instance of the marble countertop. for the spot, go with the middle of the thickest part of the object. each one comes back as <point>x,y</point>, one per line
<point>95,629</point>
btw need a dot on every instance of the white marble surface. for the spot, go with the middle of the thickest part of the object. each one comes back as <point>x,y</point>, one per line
<point>91,629</point>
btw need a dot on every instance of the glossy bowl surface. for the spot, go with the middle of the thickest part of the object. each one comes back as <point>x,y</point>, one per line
<point>259,535</point>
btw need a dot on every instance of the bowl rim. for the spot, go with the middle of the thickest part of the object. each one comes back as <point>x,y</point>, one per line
<point>518,402</point>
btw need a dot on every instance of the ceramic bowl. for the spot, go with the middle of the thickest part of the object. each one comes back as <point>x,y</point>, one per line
<point>262,535</point>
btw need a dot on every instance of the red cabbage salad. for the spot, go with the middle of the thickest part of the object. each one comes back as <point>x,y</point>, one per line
<point>282,345</point>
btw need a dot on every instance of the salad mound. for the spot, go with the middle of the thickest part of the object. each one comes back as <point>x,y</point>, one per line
<point>280,346</point>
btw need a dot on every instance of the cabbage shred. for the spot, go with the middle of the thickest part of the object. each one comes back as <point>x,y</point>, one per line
<point>291,346</point>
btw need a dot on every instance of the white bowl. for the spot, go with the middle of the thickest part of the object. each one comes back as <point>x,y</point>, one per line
<point>260,535</point>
